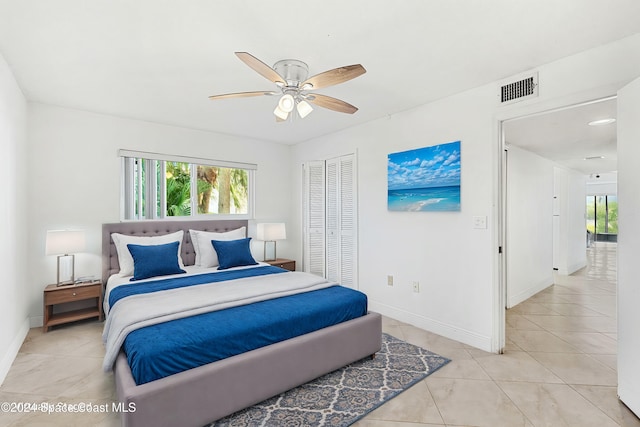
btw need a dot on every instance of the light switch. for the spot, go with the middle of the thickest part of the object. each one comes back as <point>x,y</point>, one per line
<point>480,222</point>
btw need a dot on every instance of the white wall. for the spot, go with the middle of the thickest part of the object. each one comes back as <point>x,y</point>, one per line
<point>74,179</point>
<point>606,184</point>
<point>451,260</point>
<point>456,265</point>
<point>629,246</point>
<point>13,224</point>
<point>529,224</point>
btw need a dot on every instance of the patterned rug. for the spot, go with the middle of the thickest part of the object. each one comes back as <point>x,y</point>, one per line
<point>342,397</point>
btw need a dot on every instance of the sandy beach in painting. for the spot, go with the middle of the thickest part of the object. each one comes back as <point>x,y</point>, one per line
<point>425,199</point>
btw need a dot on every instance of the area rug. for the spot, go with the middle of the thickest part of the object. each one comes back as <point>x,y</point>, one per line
<point>342,397</point>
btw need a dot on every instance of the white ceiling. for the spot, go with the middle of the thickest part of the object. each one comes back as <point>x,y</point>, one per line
<point>566,137</point>
<point>158,60</point>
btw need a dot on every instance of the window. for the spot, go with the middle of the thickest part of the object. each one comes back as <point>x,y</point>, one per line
<point>602,214</point>
<point>157,186</point>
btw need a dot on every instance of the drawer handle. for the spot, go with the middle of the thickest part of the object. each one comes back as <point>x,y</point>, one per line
<point>74,294</point>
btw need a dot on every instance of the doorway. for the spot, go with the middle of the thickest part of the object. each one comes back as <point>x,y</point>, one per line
<point>548,158</point>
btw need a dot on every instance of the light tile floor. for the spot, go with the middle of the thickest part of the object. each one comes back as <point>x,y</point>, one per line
<point>559,367</point>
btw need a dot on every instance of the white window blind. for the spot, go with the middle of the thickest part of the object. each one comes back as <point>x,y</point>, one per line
<point>186,159</point>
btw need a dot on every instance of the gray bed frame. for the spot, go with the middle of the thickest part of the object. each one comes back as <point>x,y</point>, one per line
<point>202,395</point>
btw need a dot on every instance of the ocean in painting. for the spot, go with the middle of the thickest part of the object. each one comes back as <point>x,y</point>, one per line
<point>432,199</point>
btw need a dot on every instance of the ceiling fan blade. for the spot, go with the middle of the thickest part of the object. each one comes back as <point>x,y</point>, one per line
<point>332,103</point>
<point>334,77</point>
<point>242,94</point>
<point>260,67</point>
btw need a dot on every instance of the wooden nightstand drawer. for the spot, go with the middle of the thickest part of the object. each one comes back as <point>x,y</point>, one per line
<point>287,264</point>
<point>74,293</point>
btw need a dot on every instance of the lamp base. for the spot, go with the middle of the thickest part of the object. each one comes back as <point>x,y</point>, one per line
<point>65,284</point>
<point>68,278</point>
<point>264,257</point>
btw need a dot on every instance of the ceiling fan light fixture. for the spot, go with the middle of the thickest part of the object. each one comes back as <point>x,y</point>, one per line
<point>280,113</point>
<point>304,108</point>
<point>291,78</point>
<point>286,103</point>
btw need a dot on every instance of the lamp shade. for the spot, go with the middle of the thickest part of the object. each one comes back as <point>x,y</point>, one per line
<point>304,109</point>
<point>271,231</point>
<point>281,114</point>
<point>65,242</point>
<point>286,103</point>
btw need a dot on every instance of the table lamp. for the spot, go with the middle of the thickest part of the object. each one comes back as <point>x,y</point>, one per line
<point>64,243</point>
<point>270,232</point>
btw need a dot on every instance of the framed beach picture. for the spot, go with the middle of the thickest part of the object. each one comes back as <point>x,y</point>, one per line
<point>424,179</point>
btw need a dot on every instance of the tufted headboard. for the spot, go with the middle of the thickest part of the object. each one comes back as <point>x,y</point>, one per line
<point>155,228</point>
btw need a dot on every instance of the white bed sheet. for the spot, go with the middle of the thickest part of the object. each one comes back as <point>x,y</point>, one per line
<point>117,280</point>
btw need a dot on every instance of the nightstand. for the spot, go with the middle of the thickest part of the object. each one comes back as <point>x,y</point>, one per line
<point>54,295</point>
<point>287,264</point>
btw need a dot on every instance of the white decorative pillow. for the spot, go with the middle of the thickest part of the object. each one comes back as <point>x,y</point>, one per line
<point>124,256</point>
<point>206,256</point>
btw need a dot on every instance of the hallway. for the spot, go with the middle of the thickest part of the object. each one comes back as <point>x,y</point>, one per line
<point>568,334</point>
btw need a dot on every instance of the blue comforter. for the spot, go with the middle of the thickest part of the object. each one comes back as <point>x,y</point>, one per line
<point>164,349</point>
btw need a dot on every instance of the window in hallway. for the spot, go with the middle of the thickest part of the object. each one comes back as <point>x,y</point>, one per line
<point>602,217</point>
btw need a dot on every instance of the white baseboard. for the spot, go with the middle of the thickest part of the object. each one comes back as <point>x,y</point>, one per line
<point>449,331</point>
<point>36,321</point>
<point>513,300</point>
<point>572,268</point>
<point>12,351</point>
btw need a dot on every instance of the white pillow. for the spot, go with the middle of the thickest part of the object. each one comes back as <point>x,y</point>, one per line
<point>206,256</point>
<point>124,256</point>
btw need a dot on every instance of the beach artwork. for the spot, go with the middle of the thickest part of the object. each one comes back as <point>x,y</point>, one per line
<point>425,179</point>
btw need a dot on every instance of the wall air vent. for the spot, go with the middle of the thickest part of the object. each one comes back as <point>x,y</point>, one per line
<point>523,88</point>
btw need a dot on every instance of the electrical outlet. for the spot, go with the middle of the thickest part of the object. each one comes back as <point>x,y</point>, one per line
<point>416,286</point>
<point>390,280</point>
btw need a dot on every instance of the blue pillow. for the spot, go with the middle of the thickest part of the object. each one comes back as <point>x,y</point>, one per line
<point>233,253</point>
<point>154,260</point>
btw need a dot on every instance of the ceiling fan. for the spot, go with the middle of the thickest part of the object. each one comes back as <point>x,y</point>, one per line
<point>290,75</point>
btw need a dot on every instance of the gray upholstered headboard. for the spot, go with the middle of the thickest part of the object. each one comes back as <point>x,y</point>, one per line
<point>154,228</point>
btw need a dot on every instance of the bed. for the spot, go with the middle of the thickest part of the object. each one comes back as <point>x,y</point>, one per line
<point>198,396</point>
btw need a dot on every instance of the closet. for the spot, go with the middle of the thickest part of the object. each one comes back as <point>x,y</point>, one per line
<point>330,238</point>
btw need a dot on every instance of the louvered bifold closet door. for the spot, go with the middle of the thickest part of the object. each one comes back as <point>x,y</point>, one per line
<point>314,217</point>
<point>341,221</point>
<point>333,221</point>
<point>330,216</point>
<point>347,221</point>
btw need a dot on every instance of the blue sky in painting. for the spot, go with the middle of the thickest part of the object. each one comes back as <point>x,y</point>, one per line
<point>437,166</point>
